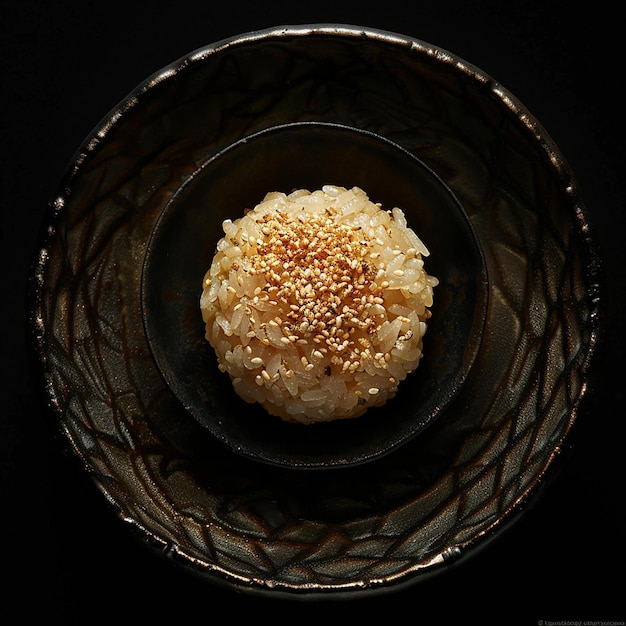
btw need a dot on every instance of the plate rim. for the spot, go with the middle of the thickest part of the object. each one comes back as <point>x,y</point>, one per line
<point>507,99</point>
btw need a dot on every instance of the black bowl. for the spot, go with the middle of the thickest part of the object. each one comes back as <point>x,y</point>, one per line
<point>296,156</point>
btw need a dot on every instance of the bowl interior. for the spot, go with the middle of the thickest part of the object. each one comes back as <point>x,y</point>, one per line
<point>310,155</point>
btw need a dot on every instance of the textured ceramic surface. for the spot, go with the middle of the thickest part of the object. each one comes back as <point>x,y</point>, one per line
<point>348,531</point>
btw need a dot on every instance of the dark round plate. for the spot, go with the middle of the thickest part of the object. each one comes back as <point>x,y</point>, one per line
<point>297,156</point>
<point>347,531</point>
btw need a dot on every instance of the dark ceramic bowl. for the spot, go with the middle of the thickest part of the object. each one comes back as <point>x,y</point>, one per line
<point>126,391</point>
<point>309,155</point>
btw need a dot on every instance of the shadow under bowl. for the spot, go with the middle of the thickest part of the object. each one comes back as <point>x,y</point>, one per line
<point>296,156</point>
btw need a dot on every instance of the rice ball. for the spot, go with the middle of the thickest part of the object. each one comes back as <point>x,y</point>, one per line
<point>316,303</point>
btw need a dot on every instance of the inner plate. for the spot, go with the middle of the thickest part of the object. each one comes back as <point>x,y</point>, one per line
<point>310,155</point>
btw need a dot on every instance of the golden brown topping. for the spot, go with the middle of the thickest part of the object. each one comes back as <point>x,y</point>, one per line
<point>314,270</point>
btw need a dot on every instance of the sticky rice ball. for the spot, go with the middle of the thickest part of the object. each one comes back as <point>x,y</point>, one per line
<point>316,303</point>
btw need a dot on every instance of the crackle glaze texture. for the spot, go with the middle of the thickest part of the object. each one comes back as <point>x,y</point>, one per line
<point>351,530</point>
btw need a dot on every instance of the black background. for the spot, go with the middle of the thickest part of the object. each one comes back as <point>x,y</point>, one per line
<point>63,66</point>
